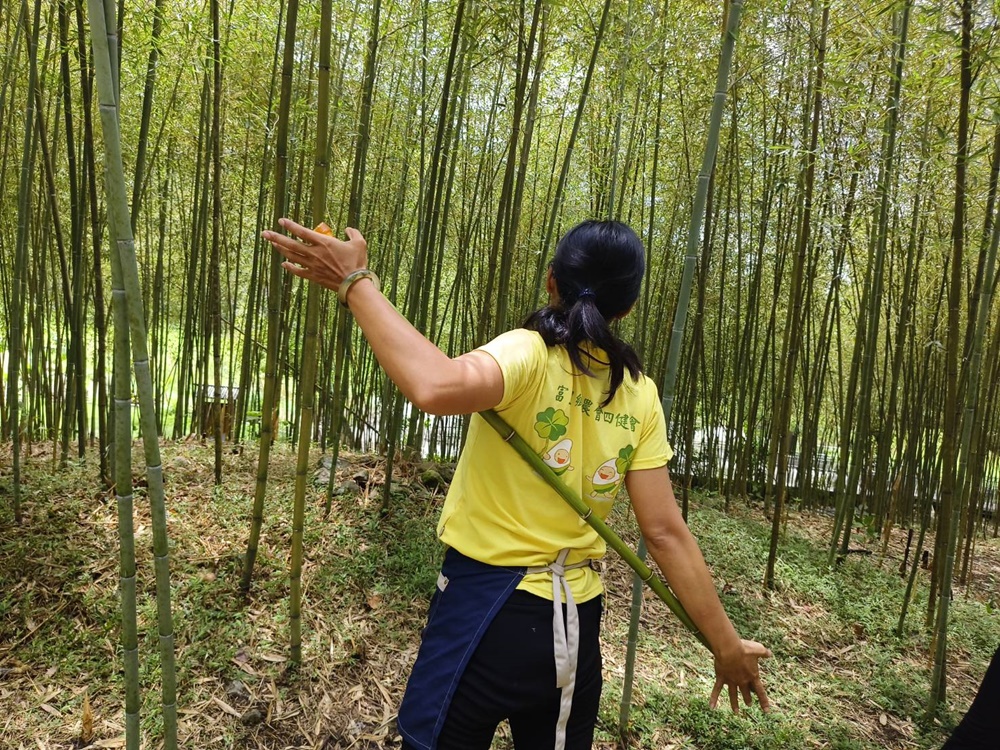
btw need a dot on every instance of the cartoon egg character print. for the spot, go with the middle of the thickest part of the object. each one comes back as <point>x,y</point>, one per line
<point>609,475</point>
<point>559,456</point>
<point>606,480</point>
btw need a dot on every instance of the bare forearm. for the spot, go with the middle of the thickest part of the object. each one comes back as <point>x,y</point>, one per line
<point>402,351</point>
<point>676,552</point>
<point>425,375</point>
<point>681,561</point>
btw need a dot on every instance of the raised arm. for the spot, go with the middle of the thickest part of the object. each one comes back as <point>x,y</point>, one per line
<point>677,554</point>
<point>430,379</point>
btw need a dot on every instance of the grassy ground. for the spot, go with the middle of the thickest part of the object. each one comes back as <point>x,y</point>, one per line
<point>839,679</point>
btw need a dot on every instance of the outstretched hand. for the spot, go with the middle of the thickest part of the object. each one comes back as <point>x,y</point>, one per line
<point>319,257</point>
<point>740,671</point>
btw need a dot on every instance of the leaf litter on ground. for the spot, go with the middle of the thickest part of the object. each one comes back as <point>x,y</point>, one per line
<point>367,577</point>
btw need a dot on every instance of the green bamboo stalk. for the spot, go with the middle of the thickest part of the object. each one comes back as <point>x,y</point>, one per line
<point>6,282</point>
<point>214,284</point>
<point>969,414</point>
<point>88,183</point>
<point>247,356</point>
<point>504,230</point>
<point>619,98</point>
<point>874,294</point>
<point>912,576</point>
<point>128,294</point>
<point>792,339</point>
<point>122,474</point>
<point>343,321</point>
<point>642,571</point>
<point>77,399</point>
<point>973,510</point>
<point>122,469</point>
<point>680,316</point>
<point>342,341</point>
<point>140,177</point>
<point>275,303</point>
<point>307,392</point>
<point>21,258</point>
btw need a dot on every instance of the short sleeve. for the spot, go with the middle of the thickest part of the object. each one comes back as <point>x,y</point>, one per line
<point>653,450</point>
<point>521,356</point>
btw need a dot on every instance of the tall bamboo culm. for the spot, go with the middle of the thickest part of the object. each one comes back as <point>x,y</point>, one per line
<point>867,337</point>
<point>680,317</point>
<point>128,306</point>
<point>125,500</point>
<point>554,210</point>
<point>307,393</point>
<point>792,340</point>
<point>275,302</point>
<point>343,319</point>
<point>21,257</point>
<point>950,493</point>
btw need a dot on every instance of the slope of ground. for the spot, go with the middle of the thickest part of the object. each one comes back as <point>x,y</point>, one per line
<point>839,679</point>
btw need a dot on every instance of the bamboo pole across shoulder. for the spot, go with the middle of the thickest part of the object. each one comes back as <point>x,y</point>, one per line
<point>510,436</point>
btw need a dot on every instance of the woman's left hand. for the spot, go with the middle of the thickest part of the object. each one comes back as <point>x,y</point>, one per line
<point>739,670</point>
<point>319,257</point>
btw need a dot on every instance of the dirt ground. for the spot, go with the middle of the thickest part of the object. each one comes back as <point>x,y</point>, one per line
<point>61,686</point>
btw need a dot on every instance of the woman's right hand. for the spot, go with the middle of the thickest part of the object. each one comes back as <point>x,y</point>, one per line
<point>319,257</point>
<point>740,671</point>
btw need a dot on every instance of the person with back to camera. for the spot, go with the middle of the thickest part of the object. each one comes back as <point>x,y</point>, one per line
<point>512,631</point>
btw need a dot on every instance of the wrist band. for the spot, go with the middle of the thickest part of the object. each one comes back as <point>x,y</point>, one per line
<point>351,278</point>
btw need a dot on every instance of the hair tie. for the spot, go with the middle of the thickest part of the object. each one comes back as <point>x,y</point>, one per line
<point>585,293</point>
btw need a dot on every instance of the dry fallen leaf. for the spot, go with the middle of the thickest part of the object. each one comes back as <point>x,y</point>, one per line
<point>87,725</point>
<point>226,707</point>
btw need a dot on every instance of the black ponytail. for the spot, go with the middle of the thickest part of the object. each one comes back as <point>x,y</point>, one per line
<point>598,268</point>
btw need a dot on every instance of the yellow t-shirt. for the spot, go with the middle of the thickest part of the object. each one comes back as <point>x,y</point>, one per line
<point>500,512</point>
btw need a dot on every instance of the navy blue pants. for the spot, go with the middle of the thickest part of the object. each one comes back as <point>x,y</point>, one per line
<point>980,728</point>
<point>512,676</point>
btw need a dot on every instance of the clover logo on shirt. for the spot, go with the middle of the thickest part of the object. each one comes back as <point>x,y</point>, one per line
<point>551,424</point>
<point>624,459</point>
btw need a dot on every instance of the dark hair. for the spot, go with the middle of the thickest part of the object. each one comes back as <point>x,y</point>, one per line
<point>598,268</point>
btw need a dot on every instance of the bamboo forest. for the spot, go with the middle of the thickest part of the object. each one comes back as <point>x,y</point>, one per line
<point>217,512</point>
